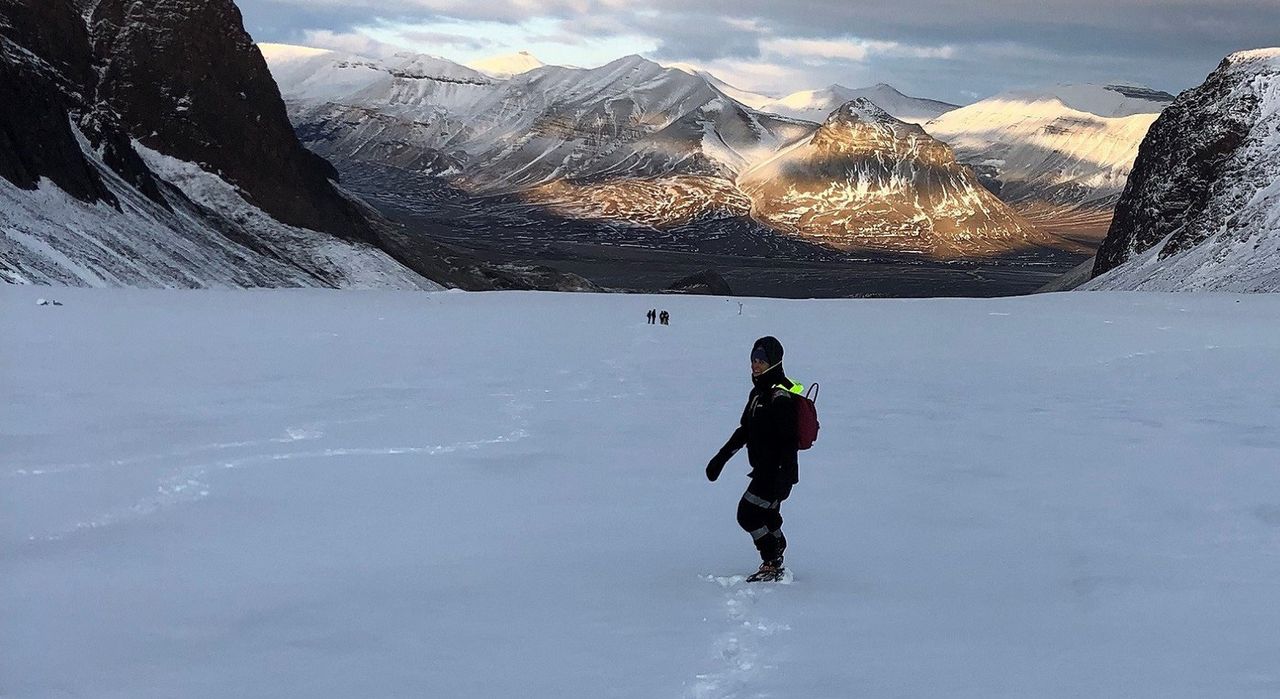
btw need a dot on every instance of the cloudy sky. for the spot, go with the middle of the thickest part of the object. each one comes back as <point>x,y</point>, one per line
<point>955,50</point>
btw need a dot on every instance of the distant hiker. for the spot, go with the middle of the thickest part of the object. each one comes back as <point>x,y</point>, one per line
<point>769,430</point>
<point>652,315</point>
<point>665,318</point>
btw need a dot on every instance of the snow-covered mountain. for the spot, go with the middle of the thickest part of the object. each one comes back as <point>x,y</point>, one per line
<point>1201,210</point>
<point>507,65</point>
<point>631,117</point>
<point>305,73</point>
<point>817,105</point>
<point>866,180</point>
<point>1061,156</point>
<point>639,143</point>
<point>751,99</point>
<point>630,141</point>
<point>682,173</point>
<point>348,107</point>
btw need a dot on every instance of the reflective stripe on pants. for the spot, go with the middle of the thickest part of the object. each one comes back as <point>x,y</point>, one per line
<point>761,502</point>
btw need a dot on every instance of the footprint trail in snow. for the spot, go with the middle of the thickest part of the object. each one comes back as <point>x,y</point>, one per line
<point>744,649</point>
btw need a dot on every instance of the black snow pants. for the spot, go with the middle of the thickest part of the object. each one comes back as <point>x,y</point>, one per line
<point>760,516</point>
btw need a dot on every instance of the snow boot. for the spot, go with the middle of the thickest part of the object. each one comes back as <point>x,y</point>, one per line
<point>770,571</point>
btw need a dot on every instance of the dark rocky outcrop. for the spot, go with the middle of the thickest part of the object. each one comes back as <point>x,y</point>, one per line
<point>44,69</point>
<point>187,80</point>
<point>1187,151</point>
<point>707,282</point>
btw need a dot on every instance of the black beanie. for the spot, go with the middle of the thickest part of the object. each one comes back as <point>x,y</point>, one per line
<point>771,348</point>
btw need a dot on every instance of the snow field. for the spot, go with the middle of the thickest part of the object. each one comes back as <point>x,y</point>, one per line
<point>317,493</point>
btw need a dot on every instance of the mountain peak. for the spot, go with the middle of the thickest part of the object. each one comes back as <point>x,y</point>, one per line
<point>861,110</point>
<point>1268,54</point>
<point>866,180</point>
<point>507,65</point>
<point>633,60</point>
<point>818,105</point>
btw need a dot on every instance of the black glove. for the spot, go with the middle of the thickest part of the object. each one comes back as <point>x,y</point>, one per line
<point>716,465</point>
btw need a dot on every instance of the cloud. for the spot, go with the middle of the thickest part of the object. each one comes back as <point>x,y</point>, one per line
<point>818,48</point>
<point>851,49</point>
<point>447,39</point>
<point>512,11</point>
<point>946,47</point>
<point>707,40</point>
<point>348,42</point>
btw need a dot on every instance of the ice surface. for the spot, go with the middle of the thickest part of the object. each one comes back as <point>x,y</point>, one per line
<point>337,494</point>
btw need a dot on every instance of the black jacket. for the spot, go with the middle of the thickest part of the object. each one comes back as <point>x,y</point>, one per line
<point>768,430</point>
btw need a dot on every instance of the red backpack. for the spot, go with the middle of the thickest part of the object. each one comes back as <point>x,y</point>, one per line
<point>806,416</point>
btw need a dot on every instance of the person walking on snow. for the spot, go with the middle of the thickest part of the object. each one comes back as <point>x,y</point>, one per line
<point>769,431</point>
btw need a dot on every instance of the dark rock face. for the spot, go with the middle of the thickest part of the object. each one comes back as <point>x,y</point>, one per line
<point>707,282</point>
<point>187,80</point>
<point>54,31</point>
<point>36,140</point>
<point>44,68</point>
<point>1185,157</point>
